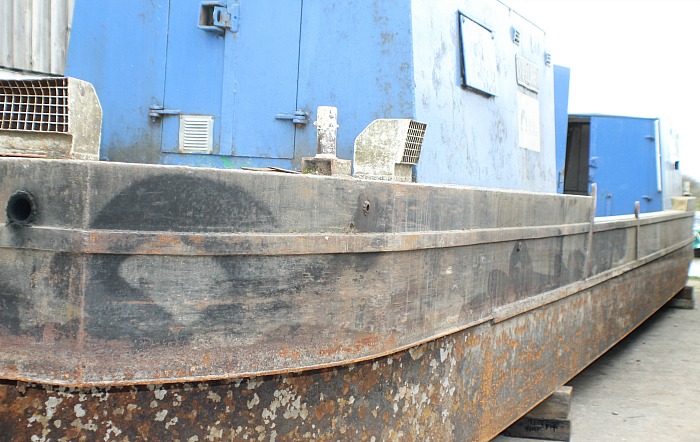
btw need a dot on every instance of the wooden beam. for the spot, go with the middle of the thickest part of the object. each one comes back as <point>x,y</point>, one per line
<point>683,299</point>
<point>547,421</point>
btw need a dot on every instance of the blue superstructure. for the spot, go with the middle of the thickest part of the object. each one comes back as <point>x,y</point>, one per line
<point>631,159</point>
<point>562,77</point>
<point>237,83</point>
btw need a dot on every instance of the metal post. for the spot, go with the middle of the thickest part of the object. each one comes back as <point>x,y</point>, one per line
<point>325,162</point>
<point>326,131</point>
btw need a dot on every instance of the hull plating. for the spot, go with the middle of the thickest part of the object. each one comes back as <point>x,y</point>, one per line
<point>162,302</point>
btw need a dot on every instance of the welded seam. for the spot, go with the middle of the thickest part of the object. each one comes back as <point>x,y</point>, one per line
<point>223,244</point>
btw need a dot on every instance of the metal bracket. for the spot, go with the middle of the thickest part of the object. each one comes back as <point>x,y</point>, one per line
<point>156,112</point>
<point>216,16</point>
<point>298,117</point>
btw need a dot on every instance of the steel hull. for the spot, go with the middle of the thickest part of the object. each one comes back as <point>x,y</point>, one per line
<point>166,303</point>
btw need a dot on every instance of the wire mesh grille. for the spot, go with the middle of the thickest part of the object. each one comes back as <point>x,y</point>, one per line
<point>34,105</point>
<point>414,141</point>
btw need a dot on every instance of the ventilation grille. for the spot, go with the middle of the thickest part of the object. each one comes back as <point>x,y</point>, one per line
<point>34,105</point>
<point>196,133</point>
<point>414,141</point>
<point>516,36</point>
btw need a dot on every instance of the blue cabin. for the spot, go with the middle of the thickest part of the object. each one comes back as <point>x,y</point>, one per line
<point>631,159</point>
<point>237,83</point>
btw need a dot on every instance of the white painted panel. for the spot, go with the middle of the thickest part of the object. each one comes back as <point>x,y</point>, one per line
<point>529,121</point>
<point>479,52</point>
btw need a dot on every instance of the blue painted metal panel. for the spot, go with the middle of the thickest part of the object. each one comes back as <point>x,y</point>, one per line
<point>623,162</point>
<point>194,72</point>
<point>120,47</point>
<point>261,70</point>
<point>371,59</point>
<point>357,56</point>
<point>561,119</point>
<point>475,139</point>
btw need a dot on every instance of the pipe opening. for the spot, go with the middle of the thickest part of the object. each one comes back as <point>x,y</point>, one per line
<point>21,209</point>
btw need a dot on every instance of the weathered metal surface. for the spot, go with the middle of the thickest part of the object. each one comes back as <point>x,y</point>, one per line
<point>600,144</point>
<point>134,274</point>
<point>34,34</point>
<point>465,386</point>
<point>398,60</point>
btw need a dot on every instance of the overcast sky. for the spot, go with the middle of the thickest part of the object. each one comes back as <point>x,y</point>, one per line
<point>636,58</point>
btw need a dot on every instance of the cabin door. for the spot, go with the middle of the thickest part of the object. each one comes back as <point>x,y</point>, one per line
<point>231,78</point>
<point>576,178</point>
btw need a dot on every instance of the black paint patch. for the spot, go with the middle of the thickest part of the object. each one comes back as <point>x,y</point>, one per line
<point>182,203</point>
<point>10,304</point>
<point>609,249</point>
<point>228,294</point>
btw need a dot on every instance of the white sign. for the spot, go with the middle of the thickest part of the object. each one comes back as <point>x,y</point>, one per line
<point>529,121</point>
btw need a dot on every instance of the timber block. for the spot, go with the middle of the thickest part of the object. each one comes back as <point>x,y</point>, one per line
<point>684,203</point>
<point>326,166</point>
<point>683,299</point>
<point>547,421</point>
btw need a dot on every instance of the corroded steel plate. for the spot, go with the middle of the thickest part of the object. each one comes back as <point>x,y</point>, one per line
<point>465,386</point>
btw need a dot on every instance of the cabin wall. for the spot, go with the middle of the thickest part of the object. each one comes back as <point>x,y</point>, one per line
<point>630,159</point>
<point>624,164</point>
<point>474,138</point>
<point>400,59</point>
<point>562,76</point>
<point>672,179</point>
<point>34,34</point>
<point>358,59</point>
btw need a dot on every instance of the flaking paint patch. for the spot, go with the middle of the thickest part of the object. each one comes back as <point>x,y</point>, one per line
<point>417,352</point>
<point>160,393</point>
<point>79,411</point>
<point>215,433</point>
<point>160,416</point>
<point>253,402</point>
<point>111,429</point>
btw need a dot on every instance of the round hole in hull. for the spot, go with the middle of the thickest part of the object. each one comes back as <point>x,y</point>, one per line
<point>21,209</point>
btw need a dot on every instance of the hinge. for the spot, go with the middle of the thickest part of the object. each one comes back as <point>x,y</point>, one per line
<point>298,117</point>
<point>216,16</point>
<point>156,111</point>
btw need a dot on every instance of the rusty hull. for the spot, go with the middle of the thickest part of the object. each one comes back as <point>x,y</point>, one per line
<point>465,386</point>
<point>169,303</point>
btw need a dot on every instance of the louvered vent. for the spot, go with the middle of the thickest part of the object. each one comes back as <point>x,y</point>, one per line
<point>388,149</point>
<point>34,105</point>
<point>196,133</point>
<point>516,36</point>
<point>414,141</point>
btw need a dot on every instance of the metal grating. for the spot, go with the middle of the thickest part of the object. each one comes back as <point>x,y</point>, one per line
<point>196,133</point>
<point>34,105</point>
<point>414,141</point>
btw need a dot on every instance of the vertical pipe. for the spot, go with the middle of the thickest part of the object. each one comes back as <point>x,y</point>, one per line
<point>326,131</point>
<point>589,244</point>
<point>657,145</point>
<point>638,227</point>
